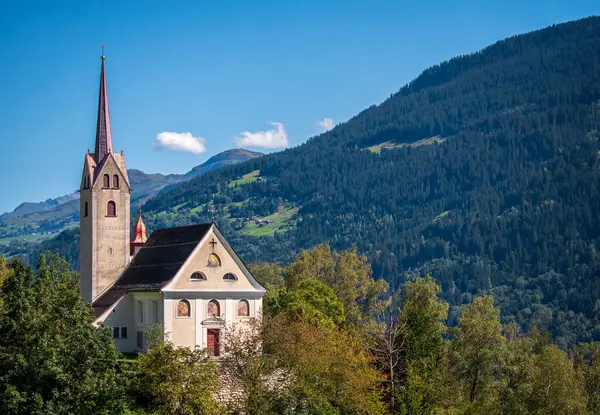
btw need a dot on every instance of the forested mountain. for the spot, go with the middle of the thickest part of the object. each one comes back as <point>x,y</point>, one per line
<point>484,171</point>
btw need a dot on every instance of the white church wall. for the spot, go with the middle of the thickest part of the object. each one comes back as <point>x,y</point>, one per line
<point>122,316</point>
<point>190,331</point>
<point>147,311</point>
<point>183,328</point>
<point>201,315</point>
<point>169,313</point>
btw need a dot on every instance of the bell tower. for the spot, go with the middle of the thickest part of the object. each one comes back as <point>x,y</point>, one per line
<point>104,208</point>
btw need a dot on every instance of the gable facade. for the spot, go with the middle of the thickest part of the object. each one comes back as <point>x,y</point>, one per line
<point>210,291</point>
<point>213,281</point>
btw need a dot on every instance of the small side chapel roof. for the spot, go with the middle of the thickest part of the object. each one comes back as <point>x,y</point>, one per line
<point>139,230</point>
<point>155,264</point>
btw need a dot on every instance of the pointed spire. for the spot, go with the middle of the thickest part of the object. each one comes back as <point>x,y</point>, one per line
<point>103,134</point>
<point>139,234</point>
<point>139,230</point>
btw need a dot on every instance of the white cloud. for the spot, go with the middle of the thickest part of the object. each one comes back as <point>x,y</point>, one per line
<point>171,141</point>
<point>326,124</point>
<point>273,138</point>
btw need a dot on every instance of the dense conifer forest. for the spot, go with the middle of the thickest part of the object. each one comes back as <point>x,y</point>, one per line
<point>484,172</point>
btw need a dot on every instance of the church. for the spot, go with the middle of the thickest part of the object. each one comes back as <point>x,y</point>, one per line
<point>187,281</point>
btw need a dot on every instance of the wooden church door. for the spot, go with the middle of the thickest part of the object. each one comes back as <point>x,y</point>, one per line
<point>212,337</point>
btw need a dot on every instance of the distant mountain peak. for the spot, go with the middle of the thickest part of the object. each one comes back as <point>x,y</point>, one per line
<point>222,159</point>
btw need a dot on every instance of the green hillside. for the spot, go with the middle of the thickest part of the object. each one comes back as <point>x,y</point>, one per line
<point>484,171</point>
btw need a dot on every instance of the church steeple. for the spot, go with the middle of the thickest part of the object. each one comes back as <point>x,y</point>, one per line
<point>104,203</point>
<point>103,134</point>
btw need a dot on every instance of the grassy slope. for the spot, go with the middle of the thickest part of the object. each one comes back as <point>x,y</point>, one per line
<point>282,220</point>
<point>246,178</point>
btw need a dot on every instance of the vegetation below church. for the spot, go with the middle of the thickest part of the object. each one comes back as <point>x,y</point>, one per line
<point>332,341</point>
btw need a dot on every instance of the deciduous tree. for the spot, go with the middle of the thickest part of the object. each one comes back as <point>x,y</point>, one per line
<point>348,274</point>
<point>558,388</point>
<point>330,369</point>
<point>178,381</point>
<point>422,320</point>
<point>310,300</point>
<point>478,349</point>
<point>267,274</point>
<point>52,359</point>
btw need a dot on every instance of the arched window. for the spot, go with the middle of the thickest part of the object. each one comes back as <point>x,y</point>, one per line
<point>229,277</point>
<point>184,309</point>
<point>85,209</point>
<point>111,208</point>
<point>214,310</point>
<point>243,308</point>
<point>213,261</point>
<point>198,276</point>
<point>106,181</point>
<point>116,181</point>
<point>155,311</point>
<point>140,307</point>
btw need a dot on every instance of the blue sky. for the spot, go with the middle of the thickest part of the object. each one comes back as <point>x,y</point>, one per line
<point>216,70</point>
